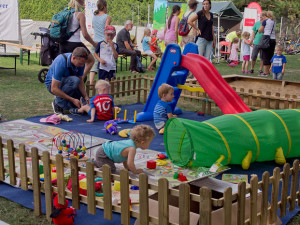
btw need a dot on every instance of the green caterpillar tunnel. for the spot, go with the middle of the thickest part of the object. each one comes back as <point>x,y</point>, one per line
<point>195,143</point>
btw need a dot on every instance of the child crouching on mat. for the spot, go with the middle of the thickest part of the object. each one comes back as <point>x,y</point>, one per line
<point>162,111</point>
<point>112,152</point>
<point>102,104</point>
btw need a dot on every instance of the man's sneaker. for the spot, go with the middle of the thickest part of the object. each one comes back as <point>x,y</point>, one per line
<point>73,111</point>
<point>57,109</point>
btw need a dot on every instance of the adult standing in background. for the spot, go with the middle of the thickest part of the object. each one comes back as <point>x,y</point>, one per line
<point>126,47</point>
<point>100,21</point>
<point>232,35</point>
<point>268,28</point>
<point>255,39</point>
<point>77,23</point>
<point>171,28</point>
<point>190,37</point>
<point>206,39</point>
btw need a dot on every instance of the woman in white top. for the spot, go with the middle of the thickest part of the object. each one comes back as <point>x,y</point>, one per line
<point>100,21</point>
<point>268,28</point>
<point>78,20</point>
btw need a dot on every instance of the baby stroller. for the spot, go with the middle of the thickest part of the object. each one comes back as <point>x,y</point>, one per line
<point>49,51</point>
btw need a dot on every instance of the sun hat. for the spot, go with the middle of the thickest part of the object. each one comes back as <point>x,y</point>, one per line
<point>109,30</point>
<point>51,119</point>
<point>154,31</point>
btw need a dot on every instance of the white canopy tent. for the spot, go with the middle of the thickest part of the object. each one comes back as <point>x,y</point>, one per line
<point>10,29</point>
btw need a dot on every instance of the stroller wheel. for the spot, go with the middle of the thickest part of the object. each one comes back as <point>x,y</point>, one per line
<point>42,75</point>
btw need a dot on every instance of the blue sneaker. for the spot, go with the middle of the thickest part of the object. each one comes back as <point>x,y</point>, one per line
<point>74,111</point>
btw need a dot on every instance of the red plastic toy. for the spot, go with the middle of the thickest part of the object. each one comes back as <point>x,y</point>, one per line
<point>62,214</point>
<point>181,177</point>
<point>151,164</point>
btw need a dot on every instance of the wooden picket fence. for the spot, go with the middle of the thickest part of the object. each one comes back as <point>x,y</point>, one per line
<point>139,87</point>
<point>204,199</point>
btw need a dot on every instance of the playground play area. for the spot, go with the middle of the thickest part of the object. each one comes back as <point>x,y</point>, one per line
<point>237,168</point>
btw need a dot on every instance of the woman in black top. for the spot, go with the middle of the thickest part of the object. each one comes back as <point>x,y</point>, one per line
<point>205,35</point>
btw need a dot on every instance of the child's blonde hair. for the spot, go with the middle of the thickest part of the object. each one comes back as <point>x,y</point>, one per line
<point>164,89</point>
<point>280,47</point>
<point>147,32</point>
<point>246,34</point>
<point>102,84</point>
<point>236,40</point>
<point>141,133</point>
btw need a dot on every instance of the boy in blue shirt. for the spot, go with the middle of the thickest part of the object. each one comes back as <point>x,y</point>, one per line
<point>278,63</point>
<point>162,111</point>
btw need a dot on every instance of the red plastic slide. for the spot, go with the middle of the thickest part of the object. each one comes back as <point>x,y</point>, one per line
<point>214,84</point>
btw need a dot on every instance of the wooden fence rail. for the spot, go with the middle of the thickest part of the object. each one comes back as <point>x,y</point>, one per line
<point>139,87</point>
<point>232,204</point>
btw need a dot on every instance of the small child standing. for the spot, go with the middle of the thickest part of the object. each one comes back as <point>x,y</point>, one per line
<point>107,53</point>
<point>234,56</point>
<point>278,63</point>
<point>162,111</point>
<point>146,48</point>
<point>102,104</point>
<point>112,152</point>
<point>246,51</point>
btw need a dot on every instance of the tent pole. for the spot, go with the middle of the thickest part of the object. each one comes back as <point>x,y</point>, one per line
<point>218,40</point>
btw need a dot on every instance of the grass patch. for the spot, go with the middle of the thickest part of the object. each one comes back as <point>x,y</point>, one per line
<point>23,96</point>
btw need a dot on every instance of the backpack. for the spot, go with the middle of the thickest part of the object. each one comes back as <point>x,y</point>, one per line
<point>59,25</point>
<point>139,66</point>
<point>184,28</point>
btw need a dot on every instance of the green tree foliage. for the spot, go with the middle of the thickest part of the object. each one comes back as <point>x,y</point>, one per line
<point>40,10</point>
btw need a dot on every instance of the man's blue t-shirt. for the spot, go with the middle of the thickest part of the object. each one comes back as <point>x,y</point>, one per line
<point>160,112</point>
<point>278,62</point>
<point>60,69</point>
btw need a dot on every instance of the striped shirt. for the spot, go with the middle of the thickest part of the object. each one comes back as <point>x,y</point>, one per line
<point>160,112</point>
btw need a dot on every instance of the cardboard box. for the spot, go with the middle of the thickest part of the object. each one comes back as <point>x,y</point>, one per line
<point>217,187</point>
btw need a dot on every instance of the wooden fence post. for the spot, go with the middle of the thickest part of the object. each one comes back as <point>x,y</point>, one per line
<point>184,204</point>
<point>253,200</point>
<point>228,206</point>
<point>60,178</point>
<point>75,183</point>
<point>205,206</point>
<point>123,86</point>
<point>47,184</point>
<point>23,167</point>
<point>125,210</point>
<point>36,185</point>
<point>107,196</point>
<point>11,162</point>
<point>265,196</point>
<point>90,183</point>
<point>129,85</point>
<point>163,201</point>
<point>144,200</point>
<point>241,204</point>
<point>274,197</point>
<point>284,189</point>
<point>295,176</point>
<point>139,88</point>
<point>145,88</point>
<point>2,173</point>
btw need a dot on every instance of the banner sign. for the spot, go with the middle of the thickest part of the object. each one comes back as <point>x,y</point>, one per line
<point>9,20</point>
<point>90,8</point>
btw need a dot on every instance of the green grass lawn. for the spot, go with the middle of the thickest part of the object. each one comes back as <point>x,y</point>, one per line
<point>23,96</point>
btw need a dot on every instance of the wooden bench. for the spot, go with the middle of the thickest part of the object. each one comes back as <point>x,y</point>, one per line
<point>144,56</point>
<point>23,48</point>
